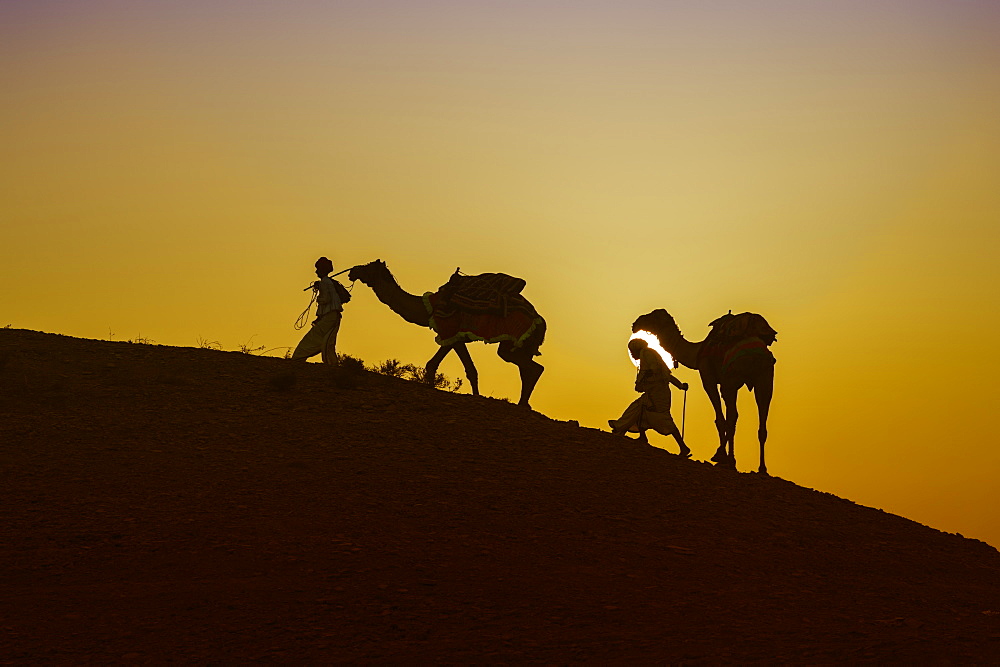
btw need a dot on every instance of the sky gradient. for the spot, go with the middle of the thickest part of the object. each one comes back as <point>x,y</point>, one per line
<point>172,170</point>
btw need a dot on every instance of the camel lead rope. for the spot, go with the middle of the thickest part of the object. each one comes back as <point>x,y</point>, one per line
<point>312,285</point>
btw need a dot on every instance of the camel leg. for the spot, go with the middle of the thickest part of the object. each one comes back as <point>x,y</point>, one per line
<point>763,392</point>
<point>732,414</point>
<point>470,368</point>
<point>530,369</point>
<point>431,369</point>
<point>712,389</point>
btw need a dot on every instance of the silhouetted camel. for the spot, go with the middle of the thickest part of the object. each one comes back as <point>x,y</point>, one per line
<point>413,308</point>
<point>725,365</point>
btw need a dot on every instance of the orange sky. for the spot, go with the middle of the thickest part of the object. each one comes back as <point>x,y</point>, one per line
<point>172,170</point>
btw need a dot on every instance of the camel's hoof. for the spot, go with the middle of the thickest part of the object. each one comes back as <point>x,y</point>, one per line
<point>720,457</point>
<point>726,464</point>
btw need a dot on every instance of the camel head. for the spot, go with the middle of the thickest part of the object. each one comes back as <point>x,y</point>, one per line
<point>659,322</point>
<point>368,273</point>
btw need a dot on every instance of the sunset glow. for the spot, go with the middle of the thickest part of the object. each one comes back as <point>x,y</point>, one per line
<point>654,344</point>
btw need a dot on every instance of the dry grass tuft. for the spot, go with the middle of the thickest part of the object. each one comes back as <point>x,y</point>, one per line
<point>209,344</point>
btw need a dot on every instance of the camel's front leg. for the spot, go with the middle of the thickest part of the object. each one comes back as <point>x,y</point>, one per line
<point>431,369</point>
<point>712,389</point>
<point>470,368</point>
<point>732,414</point>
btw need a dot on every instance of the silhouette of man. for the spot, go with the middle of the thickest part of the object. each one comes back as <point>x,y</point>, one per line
<point>652,409</point>
<point>322,335</point>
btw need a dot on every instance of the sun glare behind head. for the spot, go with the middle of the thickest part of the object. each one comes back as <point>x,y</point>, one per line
<point>654,344</point>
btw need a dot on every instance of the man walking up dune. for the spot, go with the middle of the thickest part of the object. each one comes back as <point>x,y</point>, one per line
<point>322,335</point>
<point>652,409</point>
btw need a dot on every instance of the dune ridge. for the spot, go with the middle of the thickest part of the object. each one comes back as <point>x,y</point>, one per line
<point>165,504</point>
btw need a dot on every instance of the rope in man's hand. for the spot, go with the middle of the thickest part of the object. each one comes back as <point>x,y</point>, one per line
<point>303,319</point>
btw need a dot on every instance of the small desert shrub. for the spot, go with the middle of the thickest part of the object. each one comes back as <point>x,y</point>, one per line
<point>394,368</point>
<point>440,380</point>
<point>209,344</point>
<point>248,348</point>
<point>348,373</point>
<point>141,340</point>
<point>390,367</point>
<point>419,374</point>
<point>354,364</point>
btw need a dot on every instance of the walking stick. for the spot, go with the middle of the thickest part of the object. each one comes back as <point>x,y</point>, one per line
<point>684,413</point>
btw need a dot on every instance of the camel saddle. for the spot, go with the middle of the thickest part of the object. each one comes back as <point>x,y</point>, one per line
<point>492,293</point>
<point>488,307</point>
<point>732,328</point>
<point>735,336</point>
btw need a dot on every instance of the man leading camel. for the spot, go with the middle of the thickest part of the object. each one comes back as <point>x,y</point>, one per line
<point>652,409</point>
<point>322,335</point>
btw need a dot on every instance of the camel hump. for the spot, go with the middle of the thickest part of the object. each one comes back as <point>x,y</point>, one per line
<point>483,293</point>
<point>731,328</point>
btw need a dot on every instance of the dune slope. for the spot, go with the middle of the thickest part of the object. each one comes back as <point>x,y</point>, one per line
<point>179,504</point>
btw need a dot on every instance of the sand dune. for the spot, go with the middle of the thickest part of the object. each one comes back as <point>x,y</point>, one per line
<point>166,504</point>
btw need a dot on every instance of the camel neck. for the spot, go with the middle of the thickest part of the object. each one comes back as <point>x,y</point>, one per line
<point>684,351</point>
<point>408,306</point>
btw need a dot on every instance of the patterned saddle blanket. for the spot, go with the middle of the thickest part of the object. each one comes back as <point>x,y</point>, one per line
<point>487,307</point>
<point>735,336</point>
<point>485,293</point>
<point>729,328</point>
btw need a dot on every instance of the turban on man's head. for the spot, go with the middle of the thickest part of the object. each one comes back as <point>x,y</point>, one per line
<point>635,346</point>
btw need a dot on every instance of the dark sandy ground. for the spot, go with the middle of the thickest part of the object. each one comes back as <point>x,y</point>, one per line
<point>179,505</point>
